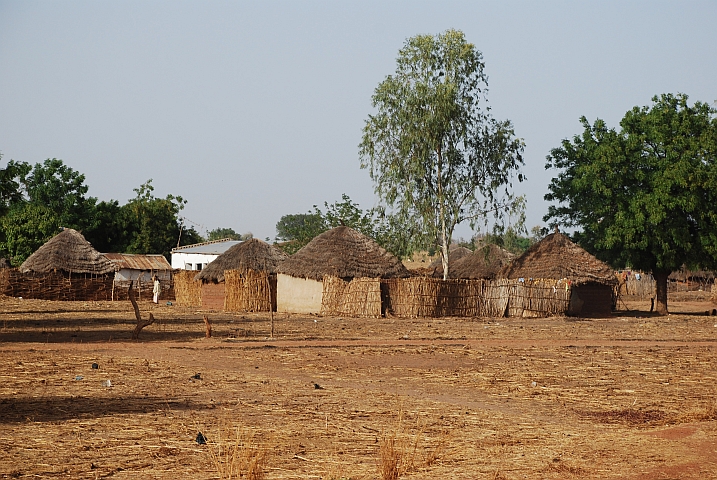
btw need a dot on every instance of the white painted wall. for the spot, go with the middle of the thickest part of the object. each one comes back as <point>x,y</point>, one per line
<point>298,295</point>
<point>183,260</point>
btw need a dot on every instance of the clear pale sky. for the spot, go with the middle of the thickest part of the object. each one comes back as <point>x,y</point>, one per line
<point>254,110</point>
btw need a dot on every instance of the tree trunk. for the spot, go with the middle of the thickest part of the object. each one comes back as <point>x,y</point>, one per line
<point>140,323</point>
<point>661,292</point>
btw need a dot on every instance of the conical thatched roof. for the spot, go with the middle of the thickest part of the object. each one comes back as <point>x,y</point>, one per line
<point>345,253</point>
<point>485,262</point>
<point>70,252</point>
<point>252,254</point>
<point>454,253</point>
<point>556,256</point>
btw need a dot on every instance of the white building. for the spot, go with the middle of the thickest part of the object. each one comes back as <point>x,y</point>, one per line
<point>199,255</point>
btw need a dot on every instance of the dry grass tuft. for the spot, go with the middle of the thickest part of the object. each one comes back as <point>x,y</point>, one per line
<point>392,457</point>
<point>240,457</point>
<point>705,412</point>
<point>400,450</point>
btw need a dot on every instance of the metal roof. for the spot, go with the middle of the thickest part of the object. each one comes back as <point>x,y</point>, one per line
<point>133,261</point>
<point>216,247</point>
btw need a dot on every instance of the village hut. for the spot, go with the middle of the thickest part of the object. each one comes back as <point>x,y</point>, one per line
<point>591,282</point>
<point>66,267</point>
<point>337,254</point>
<point>484,263</point>
<point>455,252</point>
<point>69,252</point>
<point>243,278</point>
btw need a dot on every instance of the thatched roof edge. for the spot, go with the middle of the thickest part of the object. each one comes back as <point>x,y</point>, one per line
<point>344,253</point>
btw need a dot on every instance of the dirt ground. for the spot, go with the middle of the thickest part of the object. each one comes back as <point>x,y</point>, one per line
<point>631,396</point>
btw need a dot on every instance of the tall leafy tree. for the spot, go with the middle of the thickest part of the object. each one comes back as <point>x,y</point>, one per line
<point>62,190</point>
<point>433,150</point>
<point>293,231</point>
<point>37,201</point>
<point>644,196</point>
<point>153,223</point>
<point>11,179</point>
<point>110,230</point>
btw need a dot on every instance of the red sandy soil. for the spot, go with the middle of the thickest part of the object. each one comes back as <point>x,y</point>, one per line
<point>631,396</point>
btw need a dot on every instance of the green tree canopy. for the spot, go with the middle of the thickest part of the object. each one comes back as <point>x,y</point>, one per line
<point>644,196</point>
<point>37,201</point>
<point>153,223</point>
<point>434,152</point>
<point>296,230</point>
<point>11,179</point>
<point>220,233</point>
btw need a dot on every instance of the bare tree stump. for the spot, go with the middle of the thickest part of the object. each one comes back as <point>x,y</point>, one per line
<point>208,325</point>
<point>140,323</point>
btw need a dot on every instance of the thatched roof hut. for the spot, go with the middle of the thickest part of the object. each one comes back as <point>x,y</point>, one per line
<point>556,256</point>
<point>344,253</point>
<point>484,263</point>
<point>252,254</point>
<point>455,252</point>
<point>68,251</point>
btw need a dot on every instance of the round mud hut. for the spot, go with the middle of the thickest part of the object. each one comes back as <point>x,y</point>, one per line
<point>485,263</point>
<point>556,257</point>
<point>339,256</point>
<point>243,278</point>
<point>66,267</point>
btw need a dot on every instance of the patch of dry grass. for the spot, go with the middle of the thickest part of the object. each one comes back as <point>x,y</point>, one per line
<point>240,456</point>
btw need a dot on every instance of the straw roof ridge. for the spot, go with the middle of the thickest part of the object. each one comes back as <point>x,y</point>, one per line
<point>485,263</point>
<point>345,253</point>
<point>455,252</point>
<point>252,254</point>
<point>556,257</point>
<point>70,252</point>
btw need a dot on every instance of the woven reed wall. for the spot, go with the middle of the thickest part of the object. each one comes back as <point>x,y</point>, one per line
<point>538,297</point>
<point>429,297</point>
<point>360,297</point>
<point>432,297</point>
<point>56,286</point>
<point>643,288</point>
<point>250,291</point>
<point>187,291</point>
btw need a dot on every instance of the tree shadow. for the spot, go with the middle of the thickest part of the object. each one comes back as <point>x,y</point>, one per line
<point>56,409</point>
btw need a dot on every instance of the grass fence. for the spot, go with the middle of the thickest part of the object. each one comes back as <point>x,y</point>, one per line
<point>250,291</point>
<point>430,297</point>
<point>56,286</point>
<point>360,297</point>
<point>187,291</point>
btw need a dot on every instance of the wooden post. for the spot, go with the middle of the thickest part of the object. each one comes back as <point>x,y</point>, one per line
<point>208,326</point>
